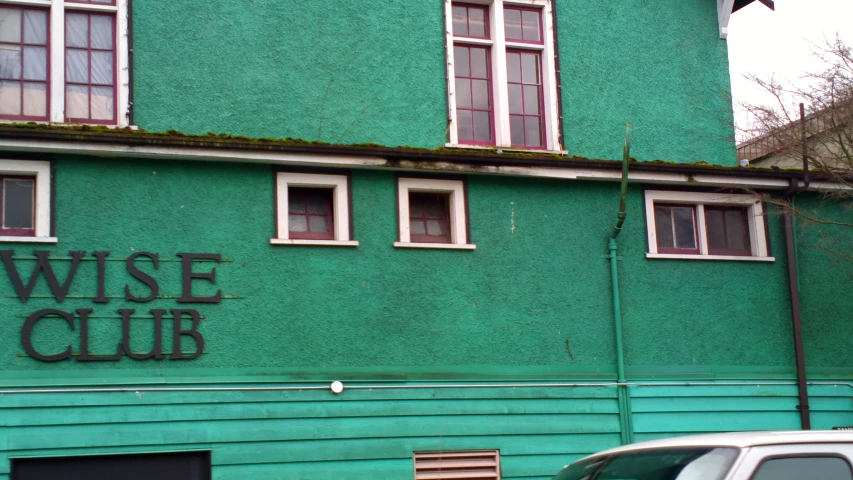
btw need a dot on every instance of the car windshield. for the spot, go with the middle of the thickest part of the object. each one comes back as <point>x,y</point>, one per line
<point>657,464</point>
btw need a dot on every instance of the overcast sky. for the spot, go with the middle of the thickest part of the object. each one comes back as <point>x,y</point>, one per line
<point>765,42</point>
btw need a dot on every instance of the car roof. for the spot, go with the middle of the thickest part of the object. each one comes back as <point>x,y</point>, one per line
<point>739,440</point>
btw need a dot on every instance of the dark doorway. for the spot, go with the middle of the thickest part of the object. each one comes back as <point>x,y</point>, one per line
<point>167,466</point>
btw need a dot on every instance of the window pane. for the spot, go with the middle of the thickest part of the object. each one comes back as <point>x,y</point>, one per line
<point>482,126</point>
<point>77,101</point>
<point>515,100</point>
<point>295,203</point>
<point>531,26</point>
<point>516,129</point>
<point>417,227</point>
<point>530,68</point>
<point>663,227</point>
<point>435,209</point>
<point>10,98</point>
<point>531,99</point>
<point>736,232</point>
<point>10,61</point>
<point>460,21</point>
<point>685,231</point>
<point>465,124</point>
<point>463,93</point>
<point>828,468</point>
<point>10,20</point>
<point>35,99</point>
<point>102,103</point>
<point>513,67</point>
<point>715,228</point>
<point>512,21</point>
<point>479,64</point>
<point>35,27</point>
<point>102,32</point>
<point>436,227</point>
<point>18,203</point>
<point>297,223</point>
<point>76,30</point>
<point>480,92</point>
<point>462,62</point>
<point>102,68</point>
<point>318,224</point>
<point>35,63</point>
<point>77,66</point>
<point>316,205</point>
<point>532,132</point>
<point>477,22</point>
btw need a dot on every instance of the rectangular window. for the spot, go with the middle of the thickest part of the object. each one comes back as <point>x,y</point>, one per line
<point>164,466</point>
<point>24,52</point>
<point>432,214</point>
<point>90,76</point>
<point>502,80</point>
<point>473,464</point>
<point>64,62</point>
<point>312,209</point>
<point>25,214</point>
<point>714,226</point>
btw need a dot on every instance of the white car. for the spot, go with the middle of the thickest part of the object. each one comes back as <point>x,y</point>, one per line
<point>796,455</point>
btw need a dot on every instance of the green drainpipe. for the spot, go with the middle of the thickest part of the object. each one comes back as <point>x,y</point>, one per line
<point>624,395</point>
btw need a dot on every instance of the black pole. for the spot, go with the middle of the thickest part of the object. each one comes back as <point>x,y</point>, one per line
<point>799,351</point>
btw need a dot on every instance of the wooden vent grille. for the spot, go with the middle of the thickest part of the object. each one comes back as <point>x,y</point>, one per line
<point>458,465</point>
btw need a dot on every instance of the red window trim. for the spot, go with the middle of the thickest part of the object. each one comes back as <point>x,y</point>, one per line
<point>446,239</point>
<point>486,15</point>
<point>92,2</point>
<point>89,49</point>
<point>22,80</point>
<point>329,215</point>
<point>726,251</point>
<point>541,115</point>
<point>491,110</point>
<point>17,232</point>
<point>674,250</point>
<point>538,11</point>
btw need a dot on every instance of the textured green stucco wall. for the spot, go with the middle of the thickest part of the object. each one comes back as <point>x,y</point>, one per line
<point>532,301</point>
<point>374,71</point>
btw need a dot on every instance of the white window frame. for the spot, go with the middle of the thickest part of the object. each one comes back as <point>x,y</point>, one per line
<point>755,212</point>
<point>56,25</point>
<point>41,171</point>
<point>458,217</point>
<point>499,44</point>
<point>340,202</point>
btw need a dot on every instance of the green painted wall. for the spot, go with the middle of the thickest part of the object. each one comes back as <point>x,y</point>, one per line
<point>374,71</point>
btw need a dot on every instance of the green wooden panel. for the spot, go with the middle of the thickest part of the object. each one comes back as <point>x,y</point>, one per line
<point>745,390</point>
<point>713,404</point>
<point>535,465</point>
<point>354,470</point>
<point>724,422</point>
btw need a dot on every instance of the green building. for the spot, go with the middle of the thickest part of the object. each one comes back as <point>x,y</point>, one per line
<point>287,239</point>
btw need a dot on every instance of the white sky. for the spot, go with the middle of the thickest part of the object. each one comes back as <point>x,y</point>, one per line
<point>767,43</point>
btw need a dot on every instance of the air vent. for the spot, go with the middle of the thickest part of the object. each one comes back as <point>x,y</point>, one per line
<point>473,464</point>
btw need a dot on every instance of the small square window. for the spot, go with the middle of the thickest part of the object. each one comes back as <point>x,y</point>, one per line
<point>432,214</point>
<point>25,201</point>
<point>713,226</point>
<point>312,209</point>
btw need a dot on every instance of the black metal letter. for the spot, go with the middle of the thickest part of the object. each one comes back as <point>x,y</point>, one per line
<point>84,341</point>
<point>193,332</point>
<point>42,265</point>
<point>142,277</point>
<point>27,332</point>
<point>188,274</point>
<point>157,351</point>
<point>101,256</point>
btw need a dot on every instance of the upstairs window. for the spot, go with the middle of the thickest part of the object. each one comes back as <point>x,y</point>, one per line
<point>432,214</point>
<point>712,226</point>
<point>310,213</point>
<point>64,61</point>
<point>501,71</point>
<point>312,209</point>
<point>429,217</point>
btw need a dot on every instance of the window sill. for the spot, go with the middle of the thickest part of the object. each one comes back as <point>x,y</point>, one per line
<point>436,246</point>
<point>736,258</point>
<point>316,243</point>
<point>70,124</point>
<point>505,149</point>
<point>28,239</point>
